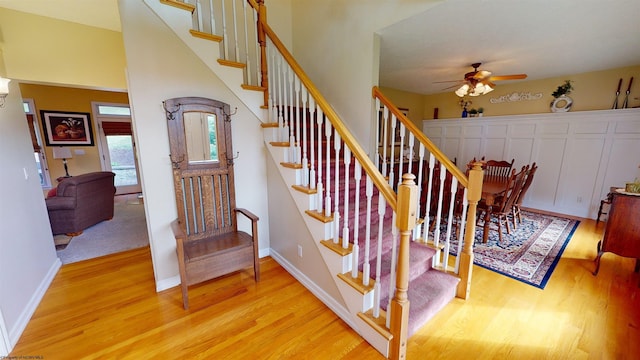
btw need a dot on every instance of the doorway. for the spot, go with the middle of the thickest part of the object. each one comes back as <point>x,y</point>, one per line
<point>117,146</point>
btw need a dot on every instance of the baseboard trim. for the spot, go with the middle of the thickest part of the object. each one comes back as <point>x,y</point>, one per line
<point>331,303</point>
<point>32,305</point>
<point>168,283</point>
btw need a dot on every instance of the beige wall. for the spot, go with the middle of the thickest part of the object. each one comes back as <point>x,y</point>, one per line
<point>46,50</point>
<point>335,43</point>
<point>60,98</point>
<point>592,91</point>
<point>154,77</point>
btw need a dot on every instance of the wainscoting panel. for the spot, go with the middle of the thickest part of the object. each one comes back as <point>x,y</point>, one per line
<point>580,154</point>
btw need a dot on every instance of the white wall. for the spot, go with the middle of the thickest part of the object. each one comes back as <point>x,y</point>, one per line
<point>28,259</point>
<point>160,67</point>
<point>334,42</point>
<point>580,155</point>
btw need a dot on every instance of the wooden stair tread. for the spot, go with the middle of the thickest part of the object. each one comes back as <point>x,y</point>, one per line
<point>337,248</point>
<point>319,216</point>
<point>379,324</point>
<point>206,36</point>
<point>179,5</point>
<point>305,189</point>
<point>234,64</point>
<point>253,87</point>
<point>216,245</point>
<point>357,283</point>
<point>291,165</point>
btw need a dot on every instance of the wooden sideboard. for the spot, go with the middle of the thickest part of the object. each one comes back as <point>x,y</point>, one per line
<point>622,233</point>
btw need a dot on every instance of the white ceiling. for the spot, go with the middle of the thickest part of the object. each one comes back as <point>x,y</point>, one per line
<point>542,38</point>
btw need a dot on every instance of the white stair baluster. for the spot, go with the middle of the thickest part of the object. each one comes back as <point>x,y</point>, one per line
<point>246,41</point>
<point>320,194</point>
<point>312,171</point>
<point>392,150</point>
<point>356,222</point>
<point>345,212</point>
<point>400,155</point>
<point>296,111</point>
<point>437,221</point>
<point>336,189</point>
<point>367,233</point>
<point>305,139</point>
<point>427,206</point>
<point>235,30</point>
<point>327,198</point>
<point>225,38</point>
<point>199,15</point>
<point>461,226</point>
<point>382,205</point>
<point>418,229</point>
<point>453,190</point>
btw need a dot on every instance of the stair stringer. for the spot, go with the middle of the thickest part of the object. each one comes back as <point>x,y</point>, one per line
<point>355,301</point>
<point>179,21</point>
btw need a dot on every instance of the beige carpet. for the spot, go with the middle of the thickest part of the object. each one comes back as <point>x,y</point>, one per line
<point>127,230</point>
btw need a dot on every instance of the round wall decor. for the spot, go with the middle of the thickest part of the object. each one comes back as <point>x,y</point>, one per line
<point>561,104</point>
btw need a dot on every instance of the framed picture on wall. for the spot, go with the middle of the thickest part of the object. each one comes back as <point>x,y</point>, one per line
<point>66,128</point>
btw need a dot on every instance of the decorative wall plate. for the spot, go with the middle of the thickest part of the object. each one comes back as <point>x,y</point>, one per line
<point>561,104</point>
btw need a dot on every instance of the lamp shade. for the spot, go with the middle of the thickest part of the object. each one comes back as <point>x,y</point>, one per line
<point>4,86</point>
<point>62,153</point>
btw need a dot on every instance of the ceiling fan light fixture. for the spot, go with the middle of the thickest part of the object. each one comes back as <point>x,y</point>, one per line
<point>462,91</point>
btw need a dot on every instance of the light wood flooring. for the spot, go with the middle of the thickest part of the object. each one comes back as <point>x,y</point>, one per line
<point>107,308</point>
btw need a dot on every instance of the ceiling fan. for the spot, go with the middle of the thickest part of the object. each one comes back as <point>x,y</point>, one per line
<point>480,82</point>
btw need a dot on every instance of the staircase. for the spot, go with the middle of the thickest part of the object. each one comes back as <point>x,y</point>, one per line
<point>377,240</point>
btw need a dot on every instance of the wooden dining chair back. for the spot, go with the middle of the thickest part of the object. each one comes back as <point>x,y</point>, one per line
<point>496,169</point>
<point>208,241</point>
<point>501,211</point>
<point>517,215</point>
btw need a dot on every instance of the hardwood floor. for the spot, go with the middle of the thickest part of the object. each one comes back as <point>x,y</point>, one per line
<point>107,308</point>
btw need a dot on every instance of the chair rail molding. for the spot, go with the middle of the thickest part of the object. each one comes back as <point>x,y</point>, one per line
<point>580,154</point>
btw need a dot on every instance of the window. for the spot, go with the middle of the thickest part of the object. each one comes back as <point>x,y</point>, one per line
<point>36,140</point>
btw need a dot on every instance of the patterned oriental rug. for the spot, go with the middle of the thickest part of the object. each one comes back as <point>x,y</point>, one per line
<point>530,253</point>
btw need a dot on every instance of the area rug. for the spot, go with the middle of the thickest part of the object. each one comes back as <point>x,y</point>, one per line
<point>530,253</point>
<point>127,230</point>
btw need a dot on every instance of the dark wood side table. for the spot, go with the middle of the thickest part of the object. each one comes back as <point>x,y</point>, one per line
<point>622,233</point>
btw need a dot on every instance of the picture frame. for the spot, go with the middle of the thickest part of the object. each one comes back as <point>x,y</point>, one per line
<point>66,128</point>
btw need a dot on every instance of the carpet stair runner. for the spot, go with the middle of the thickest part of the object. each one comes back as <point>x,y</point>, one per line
<point>429,289</point>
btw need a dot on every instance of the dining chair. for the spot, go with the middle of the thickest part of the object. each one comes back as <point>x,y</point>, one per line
<point>527,183</point>
<point>502,209</point>
<point>496,169</point>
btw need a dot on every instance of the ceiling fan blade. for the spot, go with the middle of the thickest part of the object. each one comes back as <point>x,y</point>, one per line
<point>508,77</point>
<point>448,81</point>
<point>451,87</point>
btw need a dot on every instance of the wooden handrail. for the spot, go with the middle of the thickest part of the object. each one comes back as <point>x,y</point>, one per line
<point>385,189</point>
<point>439,155</point>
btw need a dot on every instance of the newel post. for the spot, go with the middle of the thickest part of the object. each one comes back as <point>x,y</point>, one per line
<point>262,40</point>
<point>406,221</point>
<point>474,192</point>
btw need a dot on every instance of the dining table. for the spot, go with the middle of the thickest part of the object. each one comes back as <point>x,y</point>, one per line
<point>492,188</point>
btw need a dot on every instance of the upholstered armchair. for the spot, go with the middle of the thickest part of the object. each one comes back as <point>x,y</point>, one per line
<point>80,202</point>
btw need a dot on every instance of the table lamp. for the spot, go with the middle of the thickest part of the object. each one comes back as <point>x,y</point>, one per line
<point>63,153</point>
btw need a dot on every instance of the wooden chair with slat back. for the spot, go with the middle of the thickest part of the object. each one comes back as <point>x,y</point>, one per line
<point>495,169</point>
<point>517,216</point>
<point>501,211</point>
<point>208,242</point>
